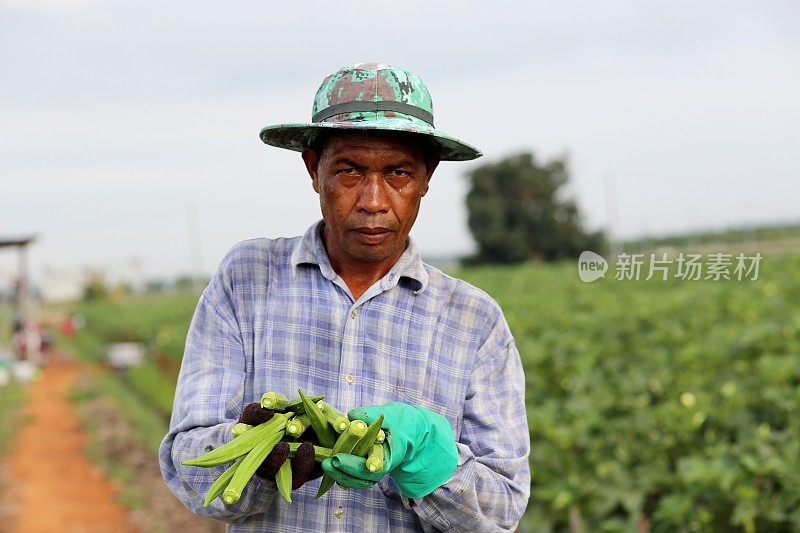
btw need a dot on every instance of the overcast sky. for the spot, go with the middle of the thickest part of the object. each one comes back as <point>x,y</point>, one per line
<point>118,118</point>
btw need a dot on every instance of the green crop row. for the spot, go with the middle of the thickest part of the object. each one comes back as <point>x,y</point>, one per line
<point>158,320</point>
<point>667,402</point>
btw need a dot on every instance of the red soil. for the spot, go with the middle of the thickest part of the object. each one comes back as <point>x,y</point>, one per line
<point>53,486</point>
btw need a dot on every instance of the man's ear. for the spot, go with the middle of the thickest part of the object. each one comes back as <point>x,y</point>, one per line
<point>430,165</point>
<point>311,161</point>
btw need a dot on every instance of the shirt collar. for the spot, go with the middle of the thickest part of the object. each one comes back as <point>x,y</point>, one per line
<point>311,250</point>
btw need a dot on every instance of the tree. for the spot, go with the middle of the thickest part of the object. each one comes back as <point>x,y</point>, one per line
<point>515,212</point>
<point>184,282</point>
<point>95,286</point>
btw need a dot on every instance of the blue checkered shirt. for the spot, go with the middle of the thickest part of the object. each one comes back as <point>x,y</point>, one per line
<point>276,317</point>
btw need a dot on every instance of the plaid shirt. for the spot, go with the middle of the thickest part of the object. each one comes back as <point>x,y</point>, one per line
<point>276,317</point>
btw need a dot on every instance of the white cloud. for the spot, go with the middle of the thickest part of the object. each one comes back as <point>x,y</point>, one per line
<point>49,6</point>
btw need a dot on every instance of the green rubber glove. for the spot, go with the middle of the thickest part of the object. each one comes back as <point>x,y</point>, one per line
<point>420,453</point>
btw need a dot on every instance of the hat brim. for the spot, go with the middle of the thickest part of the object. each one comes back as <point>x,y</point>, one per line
<point>298,136</point>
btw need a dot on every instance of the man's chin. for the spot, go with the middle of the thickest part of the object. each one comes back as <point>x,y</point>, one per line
<point>371,254</point>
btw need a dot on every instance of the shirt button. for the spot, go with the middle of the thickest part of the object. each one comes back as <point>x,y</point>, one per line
<point>354,313</point>
<point>338,513</point>
<point>349,378</point>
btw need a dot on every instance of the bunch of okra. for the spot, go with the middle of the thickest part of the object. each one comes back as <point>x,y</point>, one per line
<point>253,443</point>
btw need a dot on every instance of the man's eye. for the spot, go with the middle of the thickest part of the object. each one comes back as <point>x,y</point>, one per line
<point>346,171</point>
<point>401,173</point>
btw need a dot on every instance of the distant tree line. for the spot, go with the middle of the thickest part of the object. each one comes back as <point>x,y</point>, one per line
<point>516,212</point>
<point>97,287</point>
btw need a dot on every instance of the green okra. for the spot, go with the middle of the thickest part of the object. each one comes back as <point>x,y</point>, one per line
<point>221,482</point>
<point>333,416</point>
<point>381,437</point>
<point>284,480</point>
<point>240,429</point>
<point>320,453</point>
<point>296,404</point>
<point>344,444</point>
<point>297,425</point>
<point>375,458</point>
<point>365,443</point>
<point>324,432</point>
<point>242,444</point>
<point>249,465</point>
<point>274,400</point>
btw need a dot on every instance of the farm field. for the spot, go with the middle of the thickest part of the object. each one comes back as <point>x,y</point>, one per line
<point>653,405</point>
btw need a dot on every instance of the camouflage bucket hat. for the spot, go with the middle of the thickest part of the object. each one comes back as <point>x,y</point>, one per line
<point>370,96</point>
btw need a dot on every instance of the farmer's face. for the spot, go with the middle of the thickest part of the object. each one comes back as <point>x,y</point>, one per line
<point>370,186</point>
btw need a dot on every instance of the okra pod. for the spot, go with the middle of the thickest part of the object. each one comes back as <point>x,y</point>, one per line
<point>249,465</point>
<point>274,400</point>
<point>284,480</point>
<point>243,444</point>
<point>296,404</point>
<point>221,482</point>
<point>333,416</point>
<point>375,458</point>
<point>365,444</point>
<point>381,437</point>
<point>344,444</point>
<point>297,425</point>
<point>324,432</point>
<point>320,453</point>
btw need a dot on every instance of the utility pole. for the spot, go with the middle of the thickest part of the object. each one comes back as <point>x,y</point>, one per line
<point>612,216</point>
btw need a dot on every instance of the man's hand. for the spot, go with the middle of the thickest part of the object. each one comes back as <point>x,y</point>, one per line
<point>420,453</point>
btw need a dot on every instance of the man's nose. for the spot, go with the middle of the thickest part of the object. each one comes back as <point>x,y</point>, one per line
<point>373,197</point>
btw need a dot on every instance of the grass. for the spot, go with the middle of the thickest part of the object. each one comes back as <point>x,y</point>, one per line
<point>6,319</point>
<point>12,398</point>
<point>159,320</point>
<point>153,386</point>
<point>147,425</point>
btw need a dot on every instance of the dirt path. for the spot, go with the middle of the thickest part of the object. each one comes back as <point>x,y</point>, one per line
<point>55,488</point>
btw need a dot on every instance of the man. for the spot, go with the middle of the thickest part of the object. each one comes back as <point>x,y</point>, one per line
<point>349,310</point>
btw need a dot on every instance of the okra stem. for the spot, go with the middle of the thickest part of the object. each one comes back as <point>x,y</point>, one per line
<point>240,429</point>
<point>274,400</point>
<point>297,425</point>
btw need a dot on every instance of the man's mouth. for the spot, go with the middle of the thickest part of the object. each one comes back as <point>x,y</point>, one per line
<point>372,235</point>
